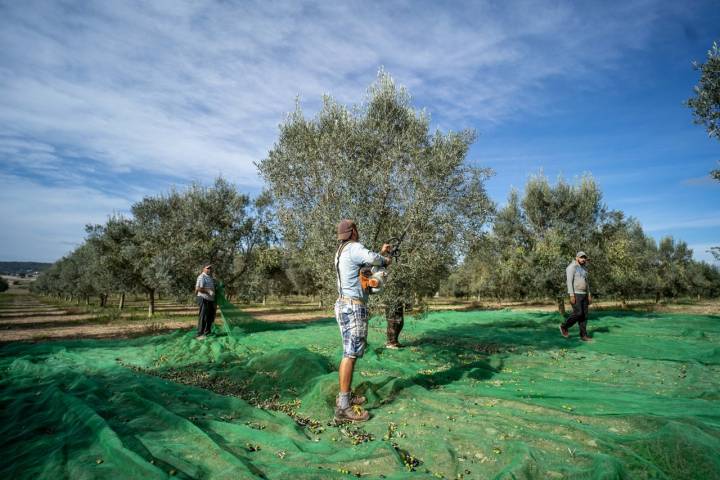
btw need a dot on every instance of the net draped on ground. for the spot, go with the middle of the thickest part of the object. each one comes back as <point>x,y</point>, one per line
<point>485,394</point>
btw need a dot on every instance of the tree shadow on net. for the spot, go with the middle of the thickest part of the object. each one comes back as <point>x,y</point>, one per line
<point>465,351</point>
<point>238,330</point>
<point>246,323</point>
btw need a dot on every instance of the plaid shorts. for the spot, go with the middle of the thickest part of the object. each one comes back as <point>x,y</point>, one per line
<point>353,323</point>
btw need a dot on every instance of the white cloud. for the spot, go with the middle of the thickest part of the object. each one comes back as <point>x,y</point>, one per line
<point>199,87</point>
<point>50,221</point>
<point>704,181</point>
<point>191,89</point>
<point>700,222</point>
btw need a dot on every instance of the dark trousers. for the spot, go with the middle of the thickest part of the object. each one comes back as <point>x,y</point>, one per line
<point>579,314</point>
<point>206,316</point>
<point>395,323</point>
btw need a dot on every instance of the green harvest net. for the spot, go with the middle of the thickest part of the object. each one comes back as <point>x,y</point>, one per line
<point>487,394</point>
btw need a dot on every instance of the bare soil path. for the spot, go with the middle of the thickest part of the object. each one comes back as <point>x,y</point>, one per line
<point>26,317</point>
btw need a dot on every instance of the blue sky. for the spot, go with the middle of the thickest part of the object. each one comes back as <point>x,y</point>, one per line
<point>102,103</point>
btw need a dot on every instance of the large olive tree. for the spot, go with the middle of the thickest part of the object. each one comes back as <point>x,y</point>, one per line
<point>379,164</point>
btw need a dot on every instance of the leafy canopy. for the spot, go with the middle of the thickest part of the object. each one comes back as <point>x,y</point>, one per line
<point>706,102</point>
<point>378,164</point>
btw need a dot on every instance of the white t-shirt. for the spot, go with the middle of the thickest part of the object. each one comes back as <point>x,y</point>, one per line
<point>206,281</point>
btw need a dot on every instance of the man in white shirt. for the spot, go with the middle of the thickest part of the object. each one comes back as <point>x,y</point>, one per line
<point>351,313</point>
<point>205,290</point>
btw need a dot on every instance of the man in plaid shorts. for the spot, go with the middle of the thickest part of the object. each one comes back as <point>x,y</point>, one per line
<point>351,314</point>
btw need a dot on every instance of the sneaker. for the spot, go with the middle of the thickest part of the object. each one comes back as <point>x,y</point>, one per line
<point>354,413</point>
<point>393,346</point>
<point>200,337</point>
<point>564,331</point>
<point>586,339</point>
<point>354,400</point>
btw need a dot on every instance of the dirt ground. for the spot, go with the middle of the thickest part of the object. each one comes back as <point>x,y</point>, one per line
<point>27,317</point>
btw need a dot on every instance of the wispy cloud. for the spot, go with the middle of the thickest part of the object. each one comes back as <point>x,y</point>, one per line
<point>704,181</point>
<point>650,199</point>
<point>198,88</point>
<point>702,222</point>
<point>49,220</point>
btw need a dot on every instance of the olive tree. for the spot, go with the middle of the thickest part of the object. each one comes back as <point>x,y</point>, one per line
<point>705,104</point>
<point>497,265</point>
<point>266,275</point>
<point>513,245</point>
<point>625,260</point>
<point>562,219</point>
<point>674,259</point>
<point>118,246</point>
<point>477,275</point>
<point>176,233</point>
<point>532,241</point>
<point>379,164</point>
<point>255,255</point>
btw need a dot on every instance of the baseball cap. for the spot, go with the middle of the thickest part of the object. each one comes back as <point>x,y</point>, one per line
<point>581,254</point>
<point>345,228</point>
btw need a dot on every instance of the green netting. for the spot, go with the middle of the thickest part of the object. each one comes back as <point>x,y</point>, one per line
<point>231,315</point>
<point>493,394</point>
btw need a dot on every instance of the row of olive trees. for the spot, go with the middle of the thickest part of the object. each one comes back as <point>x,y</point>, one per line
<point>533,239</point>
<point>380,164</point>
<point>162,247</point>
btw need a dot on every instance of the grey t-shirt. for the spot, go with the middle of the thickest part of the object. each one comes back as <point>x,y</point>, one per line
<point>206,281</point>
<point>577,279</point>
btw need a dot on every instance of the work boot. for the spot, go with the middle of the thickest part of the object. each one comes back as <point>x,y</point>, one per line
<point>354,413</point>
<point>564,331</point>
<point>393,346</point>
<point>354,400</point>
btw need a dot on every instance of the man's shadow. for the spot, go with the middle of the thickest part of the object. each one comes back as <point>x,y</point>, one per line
<point>465,352</point>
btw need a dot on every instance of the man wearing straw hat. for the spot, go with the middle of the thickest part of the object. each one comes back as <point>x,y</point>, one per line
<point>351,314</point>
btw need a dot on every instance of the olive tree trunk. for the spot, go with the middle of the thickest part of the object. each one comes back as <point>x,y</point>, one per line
<point>151,302</point>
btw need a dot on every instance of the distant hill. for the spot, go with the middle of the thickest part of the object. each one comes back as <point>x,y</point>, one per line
<point>23,269</point>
